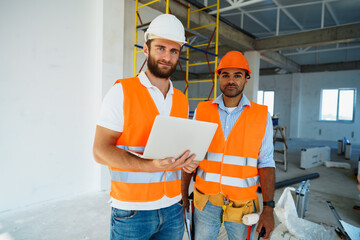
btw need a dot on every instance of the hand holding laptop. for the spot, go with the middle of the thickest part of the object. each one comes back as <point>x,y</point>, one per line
<point>185,161</point>
<point>189,168</point>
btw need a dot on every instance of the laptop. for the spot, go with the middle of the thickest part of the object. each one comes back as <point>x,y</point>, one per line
<point>172,136</point>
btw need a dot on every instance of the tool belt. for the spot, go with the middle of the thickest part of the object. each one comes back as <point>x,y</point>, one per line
<point>232,212</point>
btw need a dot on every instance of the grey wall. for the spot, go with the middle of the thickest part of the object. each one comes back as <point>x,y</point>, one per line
<point>282,85</point>
<point>297,98</point>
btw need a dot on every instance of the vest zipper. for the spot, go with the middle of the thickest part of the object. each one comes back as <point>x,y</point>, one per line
<point>222,164</point>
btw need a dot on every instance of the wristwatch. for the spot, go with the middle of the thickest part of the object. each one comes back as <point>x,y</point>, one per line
<point>269,204</point>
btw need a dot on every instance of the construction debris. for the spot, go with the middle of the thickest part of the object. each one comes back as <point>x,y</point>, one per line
<point>338,165</point>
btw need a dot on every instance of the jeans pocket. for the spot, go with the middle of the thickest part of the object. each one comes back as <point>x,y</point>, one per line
<point>180,203</point>
<point>119,214</point>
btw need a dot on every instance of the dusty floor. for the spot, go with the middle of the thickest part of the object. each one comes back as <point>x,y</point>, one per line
<point>87,216</point>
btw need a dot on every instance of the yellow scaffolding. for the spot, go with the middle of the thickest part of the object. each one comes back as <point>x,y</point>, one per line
<point>188,46</point>
<point>216,43</point>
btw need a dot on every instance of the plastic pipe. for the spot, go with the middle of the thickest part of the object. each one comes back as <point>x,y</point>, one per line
<point>293,181</point>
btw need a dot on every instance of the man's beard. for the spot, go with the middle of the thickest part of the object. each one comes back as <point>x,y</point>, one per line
<point>156,71</point>
<point>231,94</point>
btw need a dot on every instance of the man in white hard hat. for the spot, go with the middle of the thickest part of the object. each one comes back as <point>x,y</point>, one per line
<point>145,193</point>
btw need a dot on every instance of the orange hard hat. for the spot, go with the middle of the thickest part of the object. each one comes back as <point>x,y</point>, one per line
<point>233,59</point>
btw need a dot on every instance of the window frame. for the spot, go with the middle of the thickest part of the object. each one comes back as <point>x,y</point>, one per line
<point>337,105</point>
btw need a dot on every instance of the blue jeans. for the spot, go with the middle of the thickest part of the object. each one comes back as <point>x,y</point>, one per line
<point>165,223</point>
<point>207,225</point>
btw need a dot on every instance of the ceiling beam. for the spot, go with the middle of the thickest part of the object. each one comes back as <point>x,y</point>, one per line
<point>331,67</point>
<point>273,58</point>
<point>230,38</point>
<point>325,36</point>
<point>236,5</point>
<point>321,50</point>
<point>341,66</point>
<point>268,71</point>
<point>281,61</point>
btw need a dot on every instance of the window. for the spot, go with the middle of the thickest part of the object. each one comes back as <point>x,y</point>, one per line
<point>337,104</point>
<point>267,98</point>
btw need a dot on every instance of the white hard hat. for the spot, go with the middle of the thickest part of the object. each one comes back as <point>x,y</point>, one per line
<point>166,26</point>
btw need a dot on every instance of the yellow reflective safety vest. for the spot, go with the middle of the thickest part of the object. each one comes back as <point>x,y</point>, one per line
<point>230,167</point>
<point>139,115</point>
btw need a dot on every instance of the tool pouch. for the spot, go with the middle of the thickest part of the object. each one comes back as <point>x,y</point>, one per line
<point>234,212</point>
<point>200,199</point>
<point>238,209</point>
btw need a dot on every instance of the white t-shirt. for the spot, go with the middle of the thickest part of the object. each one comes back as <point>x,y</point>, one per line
<point>112,117</point>
<point>231,109</point>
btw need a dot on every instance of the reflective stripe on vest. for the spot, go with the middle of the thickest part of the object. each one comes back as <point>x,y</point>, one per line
<point>210,177</point>
<point>216,157</point>
<point>240,161</point>
<point>234,160</point>
<point>231,181</point>
<point>238,182</point>
<point>135,149</point>
<point>144,177</point>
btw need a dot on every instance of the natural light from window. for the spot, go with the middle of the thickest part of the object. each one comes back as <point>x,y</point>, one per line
<point>346,105</point>
<point>337,104</point>
<point>267,98</point>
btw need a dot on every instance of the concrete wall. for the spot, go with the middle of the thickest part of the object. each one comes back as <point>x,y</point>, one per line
<point>282,85</point>
<point>297,98</point>
<point>312,83</point>
<point>50,93</point>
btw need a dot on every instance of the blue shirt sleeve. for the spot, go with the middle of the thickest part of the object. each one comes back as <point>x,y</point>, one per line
<point>194,117</point>
<point>266,154</point>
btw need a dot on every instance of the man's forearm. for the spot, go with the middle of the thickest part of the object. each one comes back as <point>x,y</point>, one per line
<point>115,157</point>
<point>185,182</point>
<point>267,182</point>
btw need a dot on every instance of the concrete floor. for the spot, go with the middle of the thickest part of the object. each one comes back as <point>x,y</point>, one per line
<point>88,216</point>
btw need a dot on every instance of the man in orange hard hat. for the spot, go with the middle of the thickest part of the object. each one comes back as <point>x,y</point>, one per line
<point>239,157</point>
<point>145,193</point>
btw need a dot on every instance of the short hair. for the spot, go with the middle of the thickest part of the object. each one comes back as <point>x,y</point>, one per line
<point>148,43</point>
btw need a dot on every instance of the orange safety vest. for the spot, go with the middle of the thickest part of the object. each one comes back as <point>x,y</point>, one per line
<point>230,167</point>
<point>139,114</point>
